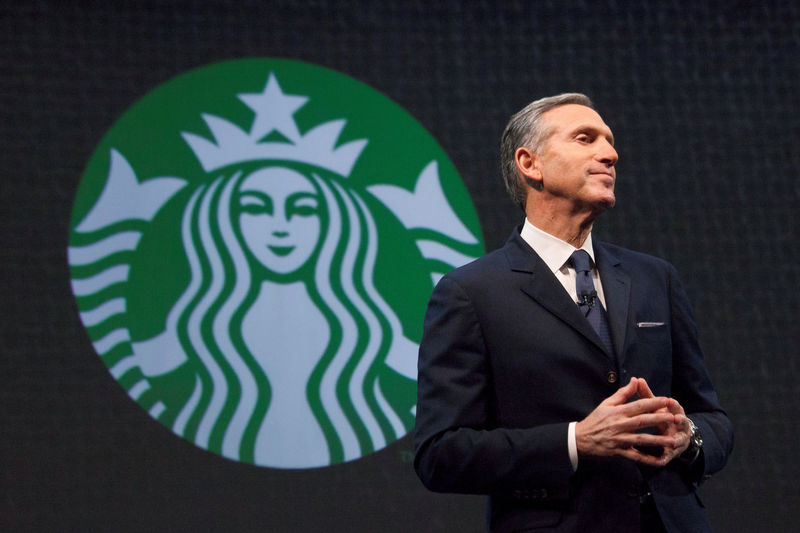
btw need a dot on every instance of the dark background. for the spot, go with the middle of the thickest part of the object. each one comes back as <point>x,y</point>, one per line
<point>703,100</point>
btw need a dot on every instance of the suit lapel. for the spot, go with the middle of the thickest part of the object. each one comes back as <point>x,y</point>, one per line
<point>543,287</point>
<point>617,291</point>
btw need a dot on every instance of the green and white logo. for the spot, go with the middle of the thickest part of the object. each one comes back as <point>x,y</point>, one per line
<point>252,247</point>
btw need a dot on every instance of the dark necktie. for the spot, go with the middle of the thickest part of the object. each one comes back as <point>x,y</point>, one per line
<point>588,301</point>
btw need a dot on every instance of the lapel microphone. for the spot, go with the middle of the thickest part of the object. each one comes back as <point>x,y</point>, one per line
<point>587,298</point>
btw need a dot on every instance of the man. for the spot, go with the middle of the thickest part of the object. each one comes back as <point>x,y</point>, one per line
<point>562,376</point>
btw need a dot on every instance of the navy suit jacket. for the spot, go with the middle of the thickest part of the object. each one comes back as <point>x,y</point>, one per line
<point>507,361</point>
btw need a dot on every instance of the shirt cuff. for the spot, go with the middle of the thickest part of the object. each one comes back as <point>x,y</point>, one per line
<point>572,446</point>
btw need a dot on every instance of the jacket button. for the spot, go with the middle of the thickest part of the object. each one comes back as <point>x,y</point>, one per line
<point>611,377</point>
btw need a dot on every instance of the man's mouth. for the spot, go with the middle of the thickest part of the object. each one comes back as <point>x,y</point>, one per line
<point>603,173</point>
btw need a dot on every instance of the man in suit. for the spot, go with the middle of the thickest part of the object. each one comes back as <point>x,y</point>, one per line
<point>562,376</point>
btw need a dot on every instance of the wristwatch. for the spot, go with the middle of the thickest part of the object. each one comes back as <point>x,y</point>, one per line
<point>695,443</point>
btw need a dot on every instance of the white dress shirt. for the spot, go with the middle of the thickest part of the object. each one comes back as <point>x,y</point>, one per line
<point>556,253</point>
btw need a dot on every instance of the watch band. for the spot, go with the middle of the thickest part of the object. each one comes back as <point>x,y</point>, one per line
<point>695,442</point>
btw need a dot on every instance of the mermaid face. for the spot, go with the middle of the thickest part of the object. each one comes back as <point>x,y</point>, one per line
<point>279,218</point>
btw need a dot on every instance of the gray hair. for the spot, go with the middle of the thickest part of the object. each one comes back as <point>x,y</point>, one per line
<point>527,129</point>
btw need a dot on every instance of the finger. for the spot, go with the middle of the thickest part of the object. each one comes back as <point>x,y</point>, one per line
<point>667,454</point>
<point>675,407</point>
<point>623,394</point>
<point>646,405</point>
<point>683,432</point>
<point>670,454</point>
<point>652,460</point>
<point>681,424</point>
<point>681,443</point>
<point>645,420</point>
<point>644,389</point>
<point>645,440</point>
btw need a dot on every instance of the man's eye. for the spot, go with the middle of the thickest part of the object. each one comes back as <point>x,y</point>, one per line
<point>584,139</point>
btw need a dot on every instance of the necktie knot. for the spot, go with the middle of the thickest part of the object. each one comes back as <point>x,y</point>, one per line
<point>581,261</point>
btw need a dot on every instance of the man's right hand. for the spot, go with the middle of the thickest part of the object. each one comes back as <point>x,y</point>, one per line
<point>613,427</point>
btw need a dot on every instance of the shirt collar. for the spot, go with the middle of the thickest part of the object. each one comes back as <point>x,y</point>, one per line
<point>553,251</point>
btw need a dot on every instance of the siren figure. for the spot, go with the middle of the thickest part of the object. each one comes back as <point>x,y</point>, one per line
<point>288,351</point>
<point>280,324</point>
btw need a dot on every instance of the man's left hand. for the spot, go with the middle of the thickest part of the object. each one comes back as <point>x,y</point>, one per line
<point>679,428</point>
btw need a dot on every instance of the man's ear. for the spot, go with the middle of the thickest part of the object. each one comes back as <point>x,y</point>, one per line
<point>528,166</point>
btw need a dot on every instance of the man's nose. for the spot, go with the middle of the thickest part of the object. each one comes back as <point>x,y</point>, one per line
<point>607,154</point>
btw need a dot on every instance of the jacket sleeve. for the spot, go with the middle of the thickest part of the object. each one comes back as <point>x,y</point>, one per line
<point>691,386</point>
<point>457,446</point>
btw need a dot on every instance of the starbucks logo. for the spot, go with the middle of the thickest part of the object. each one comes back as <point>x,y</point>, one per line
<point>252,247</point>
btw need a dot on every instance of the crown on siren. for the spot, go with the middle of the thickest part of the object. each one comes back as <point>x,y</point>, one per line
<point>273,112</point>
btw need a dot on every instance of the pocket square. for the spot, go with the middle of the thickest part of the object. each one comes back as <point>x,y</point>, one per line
<point>649,324</point>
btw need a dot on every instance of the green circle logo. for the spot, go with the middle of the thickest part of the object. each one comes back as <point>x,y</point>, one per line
<point>252,247</point>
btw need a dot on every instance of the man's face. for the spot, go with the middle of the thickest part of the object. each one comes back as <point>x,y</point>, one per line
<point>577,160</point>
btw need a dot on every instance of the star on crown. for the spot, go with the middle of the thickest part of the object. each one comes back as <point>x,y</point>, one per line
<point>274,110</point>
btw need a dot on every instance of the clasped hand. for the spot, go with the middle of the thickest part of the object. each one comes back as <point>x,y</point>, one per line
<point>615,427</point>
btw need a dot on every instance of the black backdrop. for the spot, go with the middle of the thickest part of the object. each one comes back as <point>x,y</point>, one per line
<point>703,100</point>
